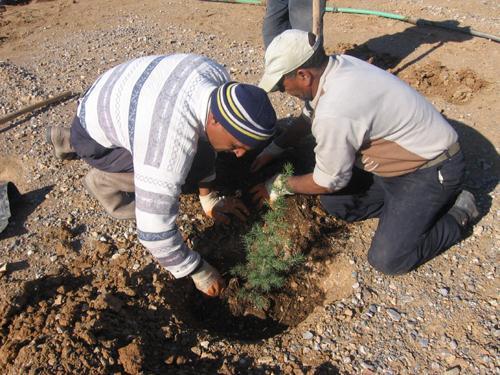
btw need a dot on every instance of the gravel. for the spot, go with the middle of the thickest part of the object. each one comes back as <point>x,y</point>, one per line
<point>441,318</point>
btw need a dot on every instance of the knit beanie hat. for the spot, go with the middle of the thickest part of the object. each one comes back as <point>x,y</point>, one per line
<point>244,111</point>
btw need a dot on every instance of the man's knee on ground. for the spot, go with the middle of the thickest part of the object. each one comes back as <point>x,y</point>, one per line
<point>385,261</point>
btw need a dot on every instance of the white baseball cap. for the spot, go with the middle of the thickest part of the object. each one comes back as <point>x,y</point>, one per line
<point>287,52</point>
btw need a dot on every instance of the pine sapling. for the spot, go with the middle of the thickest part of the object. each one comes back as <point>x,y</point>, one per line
<point>267,262</point>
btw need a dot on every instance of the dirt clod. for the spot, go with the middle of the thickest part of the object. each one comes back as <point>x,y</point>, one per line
<point>131,358</point>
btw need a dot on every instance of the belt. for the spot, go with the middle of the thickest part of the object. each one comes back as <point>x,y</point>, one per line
<point>445,155</point>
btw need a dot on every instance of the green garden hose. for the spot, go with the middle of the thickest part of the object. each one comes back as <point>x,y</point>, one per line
<point>414,21</point>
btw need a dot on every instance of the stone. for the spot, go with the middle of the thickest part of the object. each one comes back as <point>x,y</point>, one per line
<point>367,366</point>
<point>394,314</point>
<point>424,343</point>
<point>58,300</point>
<point>349,313</point>
<point>307,335</point>
<point>444,291</point>
<point>450,359</point>
<point>453,370</point>
<point>4,267</point>
<point>453,345</point>
<point>367,315</point>
<point>115,256</point>
<point>362,349</point>
<point>265,360</point>
<point>180,360</point>
<point>204,344</point>
<point>478,230</point>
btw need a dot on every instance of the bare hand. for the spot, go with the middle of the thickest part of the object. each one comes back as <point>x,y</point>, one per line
<point>229,206</point>
<point>260,161</point>
<point>260,195</point>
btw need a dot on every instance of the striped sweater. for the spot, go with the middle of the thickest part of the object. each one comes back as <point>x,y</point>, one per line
<point>155,107</point>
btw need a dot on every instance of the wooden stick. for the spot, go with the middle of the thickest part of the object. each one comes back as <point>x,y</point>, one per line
<point>65,95</point>
<point>317,13</point>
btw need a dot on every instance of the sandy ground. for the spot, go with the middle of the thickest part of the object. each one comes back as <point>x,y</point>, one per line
<point>80,293</point>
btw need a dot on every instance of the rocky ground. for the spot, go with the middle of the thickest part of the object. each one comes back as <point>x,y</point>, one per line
<point>80,294</point>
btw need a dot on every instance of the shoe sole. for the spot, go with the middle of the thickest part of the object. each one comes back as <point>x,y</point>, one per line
<point>475,211</point>
<point>48,140</point>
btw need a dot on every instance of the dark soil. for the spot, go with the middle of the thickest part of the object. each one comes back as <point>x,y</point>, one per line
<point>239,319</point>
<point>309,227</point>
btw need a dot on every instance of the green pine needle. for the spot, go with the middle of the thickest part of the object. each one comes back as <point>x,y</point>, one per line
<point>266,264</point>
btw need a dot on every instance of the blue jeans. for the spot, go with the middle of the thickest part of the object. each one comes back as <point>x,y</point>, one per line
<point>414,225</point>
<point>282,15</point>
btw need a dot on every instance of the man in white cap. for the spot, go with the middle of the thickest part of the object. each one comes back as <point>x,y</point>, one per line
<point>382,150</point>
<point>140,127</point>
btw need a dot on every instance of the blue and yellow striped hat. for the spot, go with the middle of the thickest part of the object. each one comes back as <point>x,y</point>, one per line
<point>245,112</point>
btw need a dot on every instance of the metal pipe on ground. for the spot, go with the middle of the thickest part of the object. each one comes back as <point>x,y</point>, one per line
<point>58,98</point>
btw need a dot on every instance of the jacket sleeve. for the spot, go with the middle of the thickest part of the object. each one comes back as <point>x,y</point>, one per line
<point>156,229</point>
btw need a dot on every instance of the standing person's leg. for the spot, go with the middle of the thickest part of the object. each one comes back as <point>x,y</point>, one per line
<point>362,198</point>
<point>300,14</point>
<point>414,225</point>
<point>275,21</point>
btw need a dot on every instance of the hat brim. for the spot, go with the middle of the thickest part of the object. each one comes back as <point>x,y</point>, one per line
<point>269,81</point>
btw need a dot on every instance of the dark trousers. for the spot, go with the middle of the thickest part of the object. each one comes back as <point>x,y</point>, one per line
<point>119,159</point>
<point>282,15</point>
<point>414,226</point>
<point>113,160</point>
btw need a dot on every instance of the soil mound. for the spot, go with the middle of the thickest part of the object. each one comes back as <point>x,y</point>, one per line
<point>435,79</point>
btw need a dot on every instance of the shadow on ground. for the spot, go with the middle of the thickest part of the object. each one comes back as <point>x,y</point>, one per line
<point>21,209</point>
<point>482,164</point>
<point>389,50</point>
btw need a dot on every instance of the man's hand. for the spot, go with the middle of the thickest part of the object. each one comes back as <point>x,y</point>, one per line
<point>208,280</point>
<point>260,195</point>
<point>231,206</point>
<point>271,152</point>
<point>220,208</point>
<point>260,161</point>
<point>271,190</point>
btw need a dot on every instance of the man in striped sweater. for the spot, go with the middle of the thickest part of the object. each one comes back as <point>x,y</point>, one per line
<point>382,150</point>
<point>149,125</point>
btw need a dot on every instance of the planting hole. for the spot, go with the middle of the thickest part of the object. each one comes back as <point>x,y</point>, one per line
<point>314,234</point>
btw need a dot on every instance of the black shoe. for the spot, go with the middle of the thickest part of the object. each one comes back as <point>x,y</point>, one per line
<point>464,211</point>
